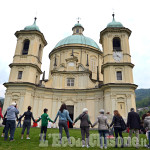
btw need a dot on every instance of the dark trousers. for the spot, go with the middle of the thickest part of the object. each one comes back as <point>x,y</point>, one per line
<point>63,124</point>
<point>102,133</point>
<point>84,131</point>
<point>118,131</point>
<point>26,124</point>
<point>43,129</point>
<point>10,124</point>
<point>4,129</point>
<point>149,138</point>
<point>19,124</point>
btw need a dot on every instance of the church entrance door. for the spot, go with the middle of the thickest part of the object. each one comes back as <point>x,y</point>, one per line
<point>71,114</point>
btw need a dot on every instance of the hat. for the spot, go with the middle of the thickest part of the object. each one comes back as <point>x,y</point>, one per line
<point>13,104</point>
<point>101,111</point>
<point>85,110</point>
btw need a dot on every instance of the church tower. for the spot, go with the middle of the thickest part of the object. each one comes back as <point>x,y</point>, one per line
<point>117,69</point>
<point>26,66</point>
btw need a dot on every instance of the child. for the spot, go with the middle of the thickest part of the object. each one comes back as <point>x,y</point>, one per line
<point>84,125</point>
<point>147,126</point>
<point>27,122</point>
<point>45,119</point>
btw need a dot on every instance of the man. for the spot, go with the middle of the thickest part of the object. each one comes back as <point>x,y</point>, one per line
<point>133,123</point>
<point>147,126</point>
<point>12,111</point>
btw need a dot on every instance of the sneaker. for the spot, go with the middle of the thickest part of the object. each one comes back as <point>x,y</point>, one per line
<point>12,140</point>
<point>83,145</point>
<point>87,146</point>
<point>101,147</point>
<point>21,138</point>
<point>105,147</point>
<point>28,138</point>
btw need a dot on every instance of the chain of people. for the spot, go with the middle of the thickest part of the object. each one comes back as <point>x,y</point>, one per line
<point>133,125</point>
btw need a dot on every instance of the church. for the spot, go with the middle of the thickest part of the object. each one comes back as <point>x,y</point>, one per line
<point>80,73</point>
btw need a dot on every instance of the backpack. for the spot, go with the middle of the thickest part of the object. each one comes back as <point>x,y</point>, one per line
<point>123,124</point>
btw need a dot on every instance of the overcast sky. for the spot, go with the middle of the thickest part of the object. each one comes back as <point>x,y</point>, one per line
<point>56,19</point>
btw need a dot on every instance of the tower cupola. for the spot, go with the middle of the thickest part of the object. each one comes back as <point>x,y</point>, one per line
<point>114,24</point>
<point>32,27</point>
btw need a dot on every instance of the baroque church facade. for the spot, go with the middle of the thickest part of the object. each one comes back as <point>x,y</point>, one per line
<point>80,74</point>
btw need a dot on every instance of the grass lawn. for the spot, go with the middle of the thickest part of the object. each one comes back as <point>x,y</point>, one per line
<point>33,143</point>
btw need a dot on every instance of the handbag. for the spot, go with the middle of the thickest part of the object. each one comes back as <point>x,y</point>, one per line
<point>123,124</point>
<point>4,121</point>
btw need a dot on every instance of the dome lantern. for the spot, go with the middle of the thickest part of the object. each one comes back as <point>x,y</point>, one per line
<point>77,29</point>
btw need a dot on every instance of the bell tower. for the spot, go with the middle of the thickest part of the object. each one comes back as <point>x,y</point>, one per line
<point>117,68</point>
<point>26,65</point>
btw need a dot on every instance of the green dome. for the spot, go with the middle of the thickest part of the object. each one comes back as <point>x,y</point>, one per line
<point>77,39</point>
<point>32,27</point>
<point>114,24</point>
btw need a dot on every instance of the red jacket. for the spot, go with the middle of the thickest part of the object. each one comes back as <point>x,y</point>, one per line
<point>1,113</point>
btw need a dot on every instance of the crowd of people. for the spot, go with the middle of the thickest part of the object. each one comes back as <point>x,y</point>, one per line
<point>118,123</point>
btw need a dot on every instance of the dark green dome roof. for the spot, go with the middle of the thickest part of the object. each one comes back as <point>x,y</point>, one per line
<point>77,39</point>
<point>114,24</point>
<point>32,27</point>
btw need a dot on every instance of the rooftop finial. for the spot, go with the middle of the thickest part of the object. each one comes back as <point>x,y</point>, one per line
<point>78,19</point>
<point>113,16</point>
<point>35,20</point>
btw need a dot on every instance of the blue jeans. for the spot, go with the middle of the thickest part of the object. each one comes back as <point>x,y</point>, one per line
<point>102,133</point>
<point>63,124</point>
<point>10,124</point>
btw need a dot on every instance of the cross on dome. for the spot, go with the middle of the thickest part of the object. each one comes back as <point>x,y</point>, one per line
<point>78,19</point>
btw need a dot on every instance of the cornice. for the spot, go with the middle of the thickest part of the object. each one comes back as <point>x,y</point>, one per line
<point>109,30</point>
<point>45,89</point>
<point>17,33</point>
<point>71,72</point>
<point>127,85</point>
<point>74,46</point>
<point>26,64</point>
<point>116,64</point>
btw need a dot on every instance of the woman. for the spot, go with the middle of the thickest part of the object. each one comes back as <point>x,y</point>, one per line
<point>102,128</point>
<point>116,122</point>
<point>84,125</point>
<point>63,117</point>
<point>27,122</point>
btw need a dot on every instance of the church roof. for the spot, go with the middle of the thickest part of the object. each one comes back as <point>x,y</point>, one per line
<point>32,27</point>
<point>77,39</point>
<point>114,24</point>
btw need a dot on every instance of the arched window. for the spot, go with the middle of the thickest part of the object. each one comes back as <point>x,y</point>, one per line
<point>77,31</point>
<point>116,44</point>
<point>40,52</point>
<point>26,47</point>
